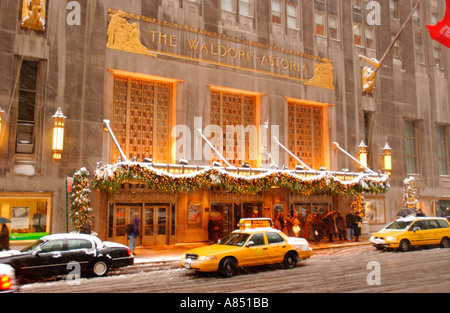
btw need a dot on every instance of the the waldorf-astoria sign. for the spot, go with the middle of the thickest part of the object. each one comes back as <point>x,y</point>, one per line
<point>148,36</point>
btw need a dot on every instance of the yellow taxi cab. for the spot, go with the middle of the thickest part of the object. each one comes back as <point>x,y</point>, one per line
<point>254,243</point>
<point>406,232</point>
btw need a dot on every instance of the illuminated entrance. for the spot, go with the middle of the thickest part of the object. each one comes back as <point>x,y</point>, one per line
<point>154,225</point>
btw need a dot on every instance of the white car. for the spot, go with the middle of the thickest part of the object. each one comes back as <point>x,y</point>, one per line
<point>7,279</point>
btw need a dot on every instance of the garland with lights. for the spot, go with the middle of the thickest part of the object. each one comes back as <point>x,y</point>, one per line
<point>81,212</point>
<point>110,178</point>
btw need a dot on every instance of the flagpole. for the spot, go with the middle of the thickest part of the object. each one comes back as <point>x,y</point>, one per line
<point>293,155</point>
<point>397,36</point>
<point>214,148</point>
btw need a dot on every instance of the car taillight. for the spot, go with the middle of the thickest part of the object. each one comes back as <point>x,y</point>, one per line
<point>5,282</point>
<point>129,252</point>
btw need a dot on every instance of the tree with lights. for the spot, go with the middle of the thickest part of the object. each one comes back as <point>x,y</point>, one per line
<point>358,206</point>
<point>81,212</point>
<point>410,197</point>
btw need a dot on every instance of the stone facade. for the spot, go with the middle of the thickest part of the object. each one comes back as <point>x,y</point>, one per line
<point>76,70</point>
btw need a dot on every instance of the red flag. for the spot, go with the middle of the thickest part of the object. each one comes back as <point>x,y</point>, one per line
<point>441,31</point>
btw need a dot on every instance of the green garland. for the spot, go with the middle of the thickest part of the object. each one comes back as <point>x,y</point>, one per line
<point>110,178</point>
<point>80,211</point>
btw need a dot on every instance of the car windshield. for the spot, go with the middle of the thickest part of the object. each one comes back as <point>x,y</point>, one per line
<point>234,239</point>
<point>32,246</point>
<point>399,225</point>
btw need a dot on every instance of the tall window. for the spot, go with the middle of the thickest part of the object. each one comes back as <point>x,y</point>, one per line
<point>245,8</point>
<point>442,149</point>
<point>412,159</point>
<point>393,7</point>
<point>326,17</point>
<point>276,11</point>
<point>235,113</point>
<point>25,137</point>
<point>363,33</point>
<point>229,5</point>
<point>286,12</point>
<point>306,134</point>
<point>142,118</point>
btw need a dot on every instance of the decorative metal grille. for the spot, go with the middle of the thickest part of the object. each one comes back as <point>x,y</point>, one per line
<point>237,110</point>
<point>142,118</point>
<point>306,134</point>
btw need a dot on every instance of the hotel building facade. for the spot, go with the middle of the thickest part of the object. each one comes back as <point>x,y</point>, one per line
<point>159,71</point>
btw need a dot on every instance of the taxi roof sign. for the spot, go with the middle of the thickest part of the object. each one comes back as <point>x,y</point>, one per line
<point>252,223</point>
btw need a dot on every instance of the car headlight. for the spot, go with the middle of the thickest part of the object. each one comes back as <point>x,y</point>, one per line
<point>207,258</point>
<point>372,238</point>
<point>391,238</point>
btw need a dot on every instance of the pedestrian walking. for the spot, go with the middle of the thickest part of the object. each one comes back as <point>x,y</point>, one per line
<point>296,228</point>
<point>330,226</point>
<point>352,224</point>
<point>4,238</point>
<point>134,234</point>
<point>340,225</point>
<point>309,228</point>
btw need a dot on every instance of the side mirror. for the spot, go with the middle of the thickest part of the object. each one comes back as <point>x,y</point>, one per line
<point>250,244</point>
<point>36,252</point>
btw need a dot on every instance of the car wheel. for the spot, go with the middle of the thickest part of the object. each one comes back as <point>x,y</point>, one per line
<point>228,267</point>
<point>290,260</point>
<point>100,268</point>
<point>404,246</point>
<point>445,243</point>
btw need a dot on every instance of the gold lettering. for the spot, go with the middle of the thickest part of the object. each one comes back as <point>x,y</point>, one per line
<point>222,51</point>
<point>212,50</point>
<point>153,35</point>
<point>193,44</point>
<point>161,36</point>
<point>234,52</point>
<point>204,47</point>
<point>241,55</point>
<point>172,40</point>
<point>264,60</point>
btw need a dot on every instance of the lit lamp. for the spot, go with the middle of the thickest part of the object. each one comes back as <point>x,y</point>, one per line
<point>58,134</point>
<point>363,154</point>
<point>387,155</point>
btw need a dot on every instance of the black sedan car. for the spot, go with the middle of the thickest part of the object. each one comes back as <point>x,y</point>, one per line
<point>51,255</point>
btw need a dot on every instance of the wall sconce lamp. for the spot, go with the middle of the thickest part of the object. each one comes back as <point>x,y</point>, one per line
<point>363,154</point>
<point>58,134</point>
<point>387,156</point>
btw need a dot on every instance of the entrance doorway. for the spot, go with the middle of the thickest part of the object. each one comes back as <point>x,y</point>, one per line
<point>154,226</point>
<point>231,213</point>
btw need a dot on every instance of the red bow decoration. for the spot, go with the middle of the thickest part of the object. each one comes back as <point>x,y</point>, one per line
<point>441,31</point>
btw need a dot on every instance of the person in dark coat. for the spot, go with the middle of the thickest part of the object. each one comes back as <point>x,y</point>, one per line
<point>340,225</point>
<point>352,225</point>
<point>330,226</point>
<point>87,228</point>
<point>4,238</point>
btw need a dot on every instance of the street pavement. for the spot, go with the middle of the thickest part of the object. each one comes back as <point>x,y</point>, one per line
<point>175,252</point>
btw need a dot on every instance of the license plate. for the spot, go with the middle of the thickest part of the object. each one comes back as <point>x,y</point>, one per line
<point>187,265</point>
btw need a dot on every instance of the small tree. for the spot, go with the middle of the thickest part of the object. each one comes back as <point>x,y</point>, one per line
<point>410,197</point>
<point>358,206</point>
<point>81,212</point>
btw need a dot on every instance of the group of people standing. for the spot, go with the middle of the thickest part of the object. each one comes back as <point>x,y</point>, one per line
<point>315,227</point>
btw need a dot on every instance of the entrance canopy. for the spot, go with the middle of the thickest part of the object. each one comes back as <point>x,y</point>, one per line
<point>189,178</point>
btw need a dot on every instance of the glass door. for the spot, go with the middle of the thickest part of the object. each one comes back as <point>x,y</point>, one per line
<point>156,225</point>
<point>124,215</point>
